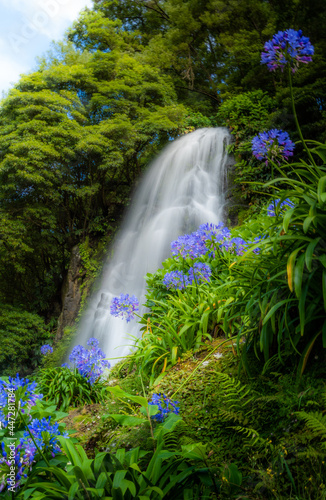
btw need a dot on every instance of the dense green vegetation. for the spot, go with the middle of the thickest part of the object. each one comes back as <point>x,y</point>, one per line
<point>241,345</point>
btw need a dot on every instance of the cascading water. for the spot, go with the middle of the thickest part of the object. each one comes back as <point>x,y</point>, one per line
<point>183,188</point>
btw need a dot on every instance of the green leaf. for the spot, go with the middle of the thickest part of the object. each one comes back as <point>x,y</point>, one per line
<point>119,393</point>
<point>73,490</point>
<point>298,274</point>
<point>274,309</point>
<point>307,222</point>
<point>128,420</point>
<point>309,252</point>
<point>321,188</point>
<point>290,266</point>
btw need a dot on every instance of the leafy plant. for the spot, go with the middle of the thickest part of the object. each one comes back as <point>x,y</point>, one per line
<point>65,387</point>
<point>125,475</point>
<point>22,334</point>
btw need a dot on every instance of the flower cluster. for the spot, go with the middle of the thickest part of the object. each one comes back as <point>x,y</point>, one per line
<point>238,245</point>
<point>200,272</point>
<point>176,280</point>
<point>197,243</point>
<point>165,406</point>
<point>89,361</point>
<point>281,207</point>
<point>24,392</point>
<point>45,434</point>
<point>46,349</point>
<point>124,306</point>
<point>272,144</point>
<point>287,47</point>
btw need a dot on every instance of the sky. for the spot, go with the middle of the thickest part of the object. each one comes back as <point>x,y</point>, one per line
<point>27,28</point>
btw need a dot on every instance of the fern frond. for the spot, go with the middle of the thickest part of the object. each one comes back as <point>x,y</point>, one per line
<point>311,453</point>
<point>228,416</point>
<point>233,393</point>
<point>251,434</point>
<point>316,422</point>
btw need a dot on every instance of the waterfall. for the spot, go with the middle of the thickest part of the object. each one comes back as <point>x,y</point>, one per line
<point>183,188</point>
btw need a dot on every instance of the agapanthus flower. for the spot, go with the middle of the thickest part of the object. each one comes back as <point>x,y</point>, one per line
<point>287,47</point>
<point>23,391</point>
<point>46,349</point>
<point>176,280</point>
<point>165,406</point>
<point>237,244</point>
<point>271,145</point>
<point>89,361</point>
<point>199,242</point>
<point>200,272</point>
<point>93,342</point>
<point>45,434</point>
<point>280,207</point>
<point>124,306</point>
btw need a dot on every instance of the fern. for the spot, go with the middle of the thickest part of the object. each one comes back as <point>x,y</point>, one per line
<point>316,422</point>
<point>252,436</point>
<point>233,394</point>
<point>311,453</point>
<point>228,416</point>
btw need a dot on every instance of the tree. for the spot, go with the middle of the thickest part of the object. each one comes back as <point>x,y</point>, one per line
<point>74,137</point>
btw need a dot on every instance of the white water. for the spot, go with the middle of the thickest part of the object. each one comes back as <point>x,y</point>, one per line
<point>183,188</point>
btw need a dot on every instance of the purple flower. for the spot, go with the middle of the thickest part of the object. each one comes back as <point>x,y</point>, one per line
<point>89,361</point>
<point>176,280</point>
<point>287,47</point>
<point>238,245</point>
<point>200,272</point>
<point>22,390</point>
<point>124,306</point>
<point>199,242</point>
<point>272,144</point>
<point>165,406</point>
<point>24,454</point>
<point>93,342</point>
<point>281,207</point>
<point>46,349</point>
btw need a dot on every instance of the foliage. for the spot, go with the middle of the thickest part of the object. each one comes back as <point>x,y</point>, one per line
<point>98,118</point>
<point>182,319</point>
<point>246,115</point>
<point>168,474</point>
<point>65,387</point>
<point>22,334</point>
<point>60,349</point>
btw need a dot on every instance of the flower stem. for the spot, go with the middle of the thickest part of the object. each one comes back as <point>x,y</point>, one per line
<point>297,121</point>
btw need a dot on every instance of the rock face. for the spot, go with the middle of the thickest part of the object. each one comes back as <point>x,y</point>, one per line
<point>70,294</point>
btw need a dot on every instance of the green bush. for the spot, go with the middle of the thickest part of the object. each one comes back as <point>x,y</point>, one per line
<point>66,387</point>
<point>22,334</point>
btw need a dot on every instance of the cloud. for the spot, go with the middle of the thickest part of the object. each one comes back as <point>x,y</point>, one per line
<point>11,73</point>
<point>27,28</point>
